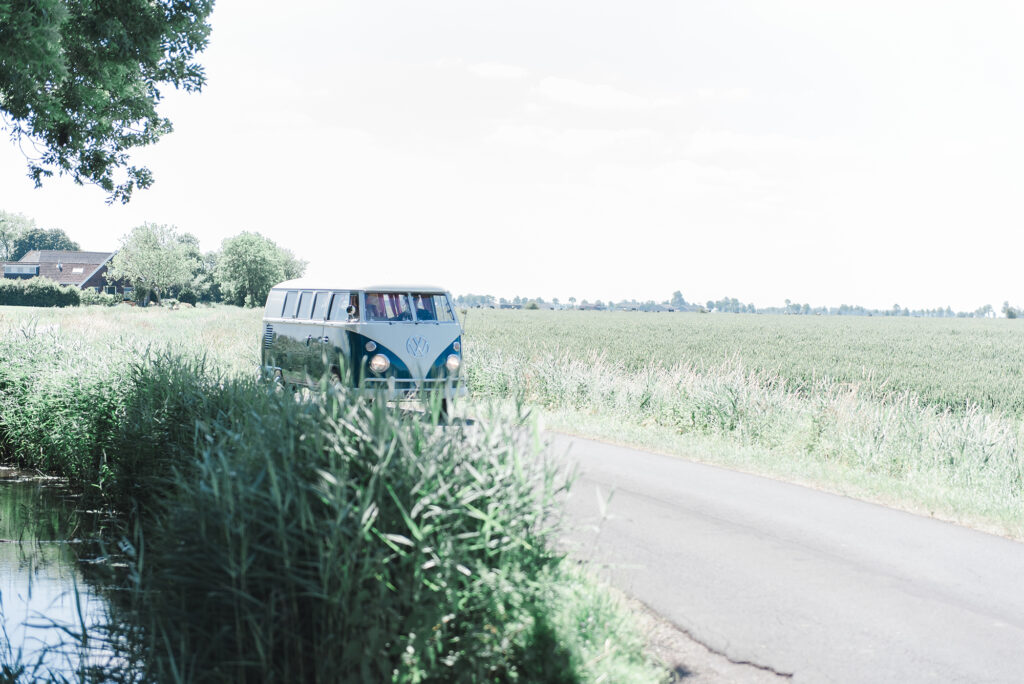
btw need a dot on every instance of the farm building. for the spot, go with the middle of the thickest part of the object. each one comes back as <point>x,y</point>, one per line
<point>84,270</point>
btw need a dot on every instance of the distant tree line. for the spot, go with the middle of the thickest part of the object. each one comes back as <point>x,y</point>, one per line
<point>727,305</point>
<point>794,308</point>
<point>159,262</point>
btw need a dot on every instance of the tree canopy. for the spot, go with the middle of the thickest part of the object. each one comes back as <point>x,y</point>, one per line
<point>41,238</point>
<point>250,264</point>
<point>155,258</point>
<point>80,82</point>
<point>19,235</point>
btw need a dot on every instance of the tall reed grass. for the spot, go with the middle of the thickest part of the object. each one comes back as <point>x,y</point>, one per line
<point>329,540</point>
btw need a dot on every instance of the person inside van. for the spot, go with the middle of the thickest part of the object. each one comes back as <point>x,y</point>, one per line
<point>424,308</point>
<point>375,308</point>
<point>387,306</point>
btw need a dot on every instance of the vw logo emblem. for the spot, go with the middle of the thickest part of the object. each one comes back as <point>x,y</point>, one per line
<point>417,346</point>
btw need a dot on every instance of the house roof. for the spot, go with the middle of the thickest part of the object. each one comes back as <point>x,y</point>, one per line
<point>66,268</point>
<point>53,256</point>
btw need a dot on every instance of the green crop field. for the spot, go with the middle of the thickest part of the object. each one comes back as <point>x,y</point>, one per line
<point>922,413</point>
<point>948,363</point>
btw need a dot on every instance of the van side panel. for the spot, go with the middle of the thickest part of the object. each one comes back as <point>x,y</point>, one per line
<point>338,347</point>
<point>287,339</point>
<point>291,349</point>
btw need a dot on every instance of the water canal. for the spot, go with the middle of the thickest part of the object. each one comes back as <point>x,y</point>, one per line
<point>49,587</point>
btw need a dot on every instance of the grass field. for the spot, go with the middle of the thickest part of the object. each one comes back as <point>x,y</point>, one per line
<point>947,363</point>
<point>227,336</point>
<point>926,414</point>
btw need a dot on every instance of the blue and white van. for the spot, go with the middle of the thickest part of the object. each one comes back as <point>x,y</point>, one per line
<point>392,341</point>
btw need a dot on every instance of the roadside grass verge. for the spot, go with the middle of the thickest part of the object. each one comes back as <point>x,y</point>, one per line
<point>270,537</point>
<point>965,465</point>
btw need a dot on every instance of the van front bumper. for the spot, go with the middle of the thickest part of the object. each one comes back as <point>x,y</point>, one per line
<point>397,389</point>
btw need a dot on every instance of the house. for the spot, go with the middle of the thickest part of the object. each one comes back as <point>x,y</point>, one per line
<point>84,270</point>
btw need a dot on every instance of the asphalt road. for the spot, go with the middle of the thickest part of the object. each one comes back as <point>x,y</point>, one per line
<point>800,582</point>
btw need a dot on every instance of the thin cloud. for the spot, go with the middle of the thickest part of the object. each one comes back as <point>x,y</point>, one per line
<point>576,142</point>
<point>502,72</point>
<point>599,96</point>
<point>723,94</point>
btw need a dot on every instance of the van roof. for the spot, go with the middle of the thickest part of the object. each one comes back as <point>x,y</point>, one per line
<point>314,284</point>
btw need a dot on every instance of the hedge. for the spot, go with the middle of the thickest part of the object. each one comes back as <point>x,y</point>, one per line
<point>37,292</point>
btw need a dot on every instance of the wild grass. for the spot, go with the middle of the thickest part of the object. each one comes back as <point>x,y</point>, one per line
<point>877,438</point>
<point>321,538</point>
<point>226,336</point>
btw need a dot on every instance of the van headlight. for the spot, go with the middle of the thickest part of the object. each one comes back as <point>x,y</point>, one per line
<point>452,363</point>
<point>379,363</point>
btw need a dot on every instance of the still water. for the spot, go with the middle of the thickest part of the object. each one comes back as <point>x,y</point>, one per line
<point>47,594</point>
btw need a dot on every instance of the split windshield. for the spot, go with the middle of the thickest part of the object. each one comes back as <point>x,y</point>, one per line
<point>432,307</point>
<point>397,307</point>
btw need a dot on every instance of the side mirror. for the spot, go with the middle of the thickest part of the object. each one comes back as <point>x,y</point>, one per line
<point>351,311</point>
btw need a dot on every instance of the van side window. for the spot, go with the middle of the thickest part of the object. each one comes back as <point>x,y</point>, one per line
<point>290,300</point>
<point>305,305</point>
<point>275,304</point>
<point>340,304</point>
<point>320,305</point>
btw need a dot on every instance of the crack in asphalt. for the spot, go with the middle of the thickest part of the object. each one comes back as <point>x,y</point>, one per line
<point>723,654</point>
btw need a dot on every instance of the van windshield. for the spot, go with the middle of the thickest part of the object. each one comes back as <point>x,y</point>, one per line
<point>400,307</point>
<point>432,307</point>
<point>387,306</point>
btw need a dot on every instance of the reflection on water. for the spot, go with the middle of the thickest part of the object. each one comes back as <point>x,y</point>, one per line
<point>44,599</point>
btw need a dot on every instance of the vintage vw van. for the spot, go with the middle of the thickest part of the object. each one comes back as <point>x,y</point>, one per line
<point>393,341</point>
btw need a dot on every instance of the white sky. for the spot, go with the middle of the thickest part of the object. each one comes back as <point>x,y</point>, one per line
<point>869,153</point>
